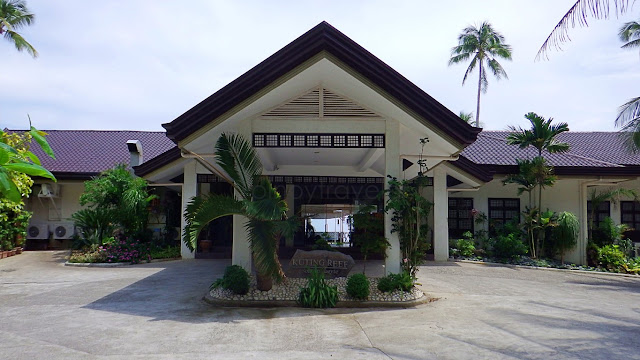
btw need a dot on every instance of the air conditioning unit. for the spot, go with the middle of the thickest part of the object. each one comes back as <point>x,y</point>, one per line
<point>48,190</point>
<point>38,231</point>
<point>62,231</point>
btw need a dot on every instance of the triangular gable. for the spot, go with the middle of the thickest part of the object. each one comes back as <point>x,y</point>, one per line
<point>323,38</point>
<point>320,103</point>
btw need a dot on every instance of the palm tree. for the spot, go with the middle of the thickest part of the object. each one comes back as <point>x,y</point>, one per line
<point>257,200</point>
<point>628,118</point>
<point>542,136</point>
<point>13,16</point>
<point>483,45</point>
<point>531,174</point>
<point>467,117</point>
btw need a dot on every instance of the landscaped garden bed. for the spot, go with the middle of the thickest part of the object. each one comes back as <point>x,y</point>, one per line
<point>287,293</point>
<point>535,263</point>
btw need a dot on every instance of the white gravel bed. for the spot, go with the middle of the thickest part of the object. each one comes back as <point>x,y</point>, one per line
<point>290,288</point>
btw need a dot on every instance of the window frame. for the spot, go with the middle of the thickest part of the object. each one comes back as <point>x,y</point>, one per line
<point>503,219</point>
<point>456,232</point>
<point>597,220</point>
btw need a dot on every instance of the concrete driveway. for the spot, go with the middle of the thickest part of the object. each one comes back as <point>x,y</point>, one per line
<point>154,311</point>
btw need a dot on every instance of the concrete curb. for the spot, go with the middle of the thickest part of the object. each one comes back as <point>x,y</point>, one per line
<point>340,304</point>
<point>586,272</point>
<point>119,264</point>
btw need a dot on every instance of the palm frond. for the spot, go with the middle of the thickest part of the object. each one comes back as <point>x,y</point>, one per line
<point>629,31</point>
<point>578,15</point>
<point>628,120</point>
<point>20,43</point>
<point>239,159</point>
<point>265,203</point>
<point>202,210</point>
<point>472,66</point>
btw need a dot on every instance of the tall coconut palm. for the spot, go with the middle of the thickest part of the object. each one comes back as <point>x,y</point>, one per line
<point>483,45</point>
<point>256,199</point>
<point>13,16</point>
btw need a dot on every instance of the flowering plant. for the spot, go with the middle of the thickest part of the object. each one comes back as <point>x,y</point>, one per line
<point>127,250</point>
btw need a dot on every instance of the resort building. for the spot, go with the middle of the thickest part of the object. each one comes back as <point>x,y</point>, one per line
<point>330,121</point>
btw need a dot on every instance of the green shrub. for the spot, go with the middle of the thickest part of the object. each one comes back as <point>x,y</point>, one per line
<point>322,244</point>
<point>166,253</point>
<point>358,286</point>
<point>466,247</point>
<point>509,246</point>
<point>318,294</point>
<point>94,254</point>
<point>392,282</point>
<point>235,278</point>
<point>612,258</point>
<point>633,265</point>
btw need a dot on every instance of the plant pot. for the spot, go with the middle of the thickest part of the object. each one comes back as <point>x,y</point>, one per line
<point>11,252</point>
<point>205,245</point>
<point>264,282</point>
<point>1,254</point>
<point>18,250</point>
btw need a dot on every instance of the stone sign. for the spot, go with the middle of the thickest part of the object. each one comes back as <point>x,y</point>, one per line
<point>334,264</point>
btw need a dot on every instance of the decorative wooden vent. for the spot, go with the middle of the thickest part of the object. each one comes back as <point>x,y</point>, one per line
<point>312,105</point>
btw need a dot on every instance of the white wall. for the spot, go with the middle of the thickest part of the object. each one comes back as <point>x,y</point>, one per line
<point>68,202</point>
<point>563,196</point>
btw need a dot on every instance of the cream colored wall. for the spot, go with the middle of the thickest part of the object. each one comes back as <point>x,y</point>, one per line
<point>68,202</point>
<point>563,196</point>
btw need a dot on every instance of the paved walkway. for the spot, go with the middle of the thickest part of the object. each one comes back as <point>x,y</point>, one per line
<point>154,311</point>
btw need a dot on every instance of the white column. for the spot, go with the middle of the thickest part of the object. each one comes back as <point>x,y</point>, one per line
<point>240,251</point>
<point>189,190</point>
<point>290,198</point>
<point>392,167</point>
<point>440,215</point>
<point>584,224</point>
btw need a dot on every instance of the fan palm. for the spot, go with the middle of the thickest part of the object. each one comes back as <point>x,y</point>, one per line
<point>483,45</point>
<point>256,199</point>
<point>13,16</point>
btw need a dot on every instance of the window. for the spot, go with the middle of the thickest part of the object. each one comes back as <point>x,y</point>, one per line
<point>460,217</point>
<point>502,211</point>
<point>630,216</point>
<point>603,211</point>
<point>630,213</point>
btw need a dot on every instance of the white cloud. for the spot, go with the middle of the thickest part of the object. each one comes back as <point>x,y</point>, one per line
<point>138,64</point>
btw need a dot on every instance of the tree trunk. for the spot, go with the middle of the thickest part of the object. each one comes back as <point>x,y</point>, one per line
<point>479,89</point>
<point>264,282</point>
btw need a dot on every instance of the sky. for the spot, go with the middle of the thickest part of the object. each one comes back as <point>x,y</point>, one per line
<point>136,64</point>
